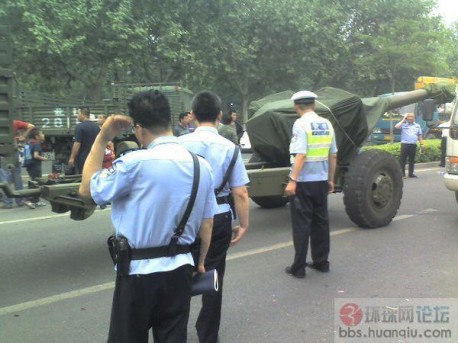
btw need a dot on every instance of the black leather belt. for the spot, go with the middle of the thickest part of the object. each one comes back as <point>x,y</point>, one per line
<point>222,200</point>
<point>156,252</point>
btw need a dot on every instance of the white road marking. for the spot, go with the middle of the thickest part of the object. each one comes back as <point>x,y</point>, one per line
<point>110,285</point>
<point>278,246</point>
<point>55,298</point>
<point>52,216</point>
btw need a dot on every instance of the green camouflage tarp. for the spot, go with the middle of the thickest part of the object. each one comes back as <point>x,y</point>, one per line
<point>353,118</point>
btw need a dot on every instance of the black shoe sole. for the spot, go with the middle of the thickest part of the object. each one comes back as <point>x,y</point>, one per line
<point>296,275</point>
<point>322,269</point>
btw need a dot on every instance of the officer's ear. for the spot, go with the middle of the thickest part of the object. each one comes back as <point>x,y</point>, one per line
<point>220,115</point>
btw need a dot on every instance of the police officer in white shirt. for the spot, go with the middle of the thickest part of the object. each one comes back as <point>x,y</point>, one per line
<point>218,151</point>
<point>313,158</point>
<point>149,190</point>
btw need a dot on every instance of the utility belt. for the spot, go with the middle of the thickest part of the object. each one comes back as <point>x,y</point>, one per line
<point>121,253</point>
<point>227,199</point>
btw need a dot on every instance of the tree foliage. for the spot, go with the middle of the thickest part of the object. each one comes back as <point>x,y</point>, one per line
<point>241,49</point>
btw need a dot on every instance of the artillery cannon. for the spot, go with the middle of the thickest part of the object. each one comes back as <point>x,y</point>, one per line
<point>370,180</point>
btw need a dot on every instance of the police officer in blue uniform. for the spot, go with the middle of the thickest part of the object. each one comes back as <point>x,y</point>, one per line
<point>410,134</point>
<point>219,152</point>
<point>149,190</point>
<point>313,158</point>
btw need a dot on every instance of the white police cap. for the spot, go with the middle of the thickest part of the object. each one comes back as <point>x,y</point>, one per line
<point>304,97</point>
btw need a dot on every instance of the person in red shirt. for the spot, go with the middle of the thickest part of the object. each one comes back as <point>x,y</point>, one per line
<point>21,130</point>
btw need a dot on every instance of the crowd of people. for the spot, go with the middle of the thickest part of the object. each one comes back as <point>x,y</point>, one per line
<point>228,125</point>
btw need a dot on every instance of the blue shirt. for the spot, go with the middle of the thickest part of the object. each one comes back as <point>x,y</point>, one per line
<point>149,190</point>
<point>217,151</point>
<point>410,133</point>
<point>311,171</point>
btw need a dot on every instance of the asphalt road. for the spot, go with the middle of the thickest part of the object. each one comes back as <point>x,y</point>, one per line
<point>57,278</point>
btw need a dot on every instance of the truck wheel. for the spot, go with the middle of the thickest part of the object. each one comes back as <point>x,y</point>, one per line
<point>373,189</point>
<point>270,202</point>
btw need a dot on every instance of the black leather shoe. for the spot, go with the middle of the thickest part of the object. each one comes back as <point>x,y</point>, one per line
<point>300,273</point>
<point>413,176</point>
<point>321,267</point>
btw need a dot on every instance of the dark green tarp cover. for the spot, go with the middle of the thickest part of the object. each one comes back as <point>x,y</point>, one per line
<point>353,118</point>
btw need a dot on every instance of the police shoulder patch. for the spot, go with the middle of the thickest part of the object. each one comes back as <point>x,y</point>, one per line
<point>107,172</point>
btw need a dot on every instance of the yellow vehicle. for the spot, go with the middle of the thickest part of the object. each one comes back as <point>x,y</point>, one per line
<point>422,81</point>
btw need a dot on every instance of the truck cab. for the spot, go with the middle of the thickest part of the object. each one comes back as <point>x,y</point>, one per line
<point>451,161</point>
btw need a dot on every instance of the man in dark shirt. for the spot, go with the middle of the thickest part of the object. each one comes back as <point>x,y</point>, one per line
<point>181,128</point>
<point>85,133</point>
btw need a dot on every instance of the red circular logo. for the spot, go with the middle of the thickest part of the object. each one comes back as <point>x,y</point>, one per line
<point>351,314</point>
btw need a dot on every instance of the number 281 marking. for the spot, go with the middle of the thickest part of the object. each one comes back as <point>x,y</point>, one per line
<point>57,122</point>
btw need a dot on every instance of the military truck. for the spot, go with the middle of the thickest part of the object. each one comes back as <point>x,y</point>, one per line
<point>57,116</point>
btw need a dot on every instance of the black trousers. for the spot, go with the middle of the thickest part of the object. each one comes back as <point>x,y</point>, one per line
<point>310,221</point>
<point>443,150</point>
<point>160,301</point>
<point>209,319</point>
<point>408,151</point>
<point>34,172</point>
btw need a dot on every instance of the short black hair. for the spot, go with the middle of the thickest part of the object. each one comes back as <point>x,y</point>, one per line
<point>206,106</point>
<point>33,133</point>
<point>151,110</point>
<point>85,111</point>
<point>182,115</point>
<point>226,119</point>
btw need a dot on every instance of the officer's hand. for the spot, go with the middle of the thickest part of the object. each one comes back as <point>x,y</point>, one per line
<point>330,186</point>
<point>200,268</point>
<point>290,189</point>
<point>239,232</point>
<point>114,125</point>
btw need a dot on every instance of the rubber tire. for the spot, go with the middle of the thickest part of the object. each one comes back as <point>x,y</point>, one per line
<point>373,189</point>
<point>270,202</point>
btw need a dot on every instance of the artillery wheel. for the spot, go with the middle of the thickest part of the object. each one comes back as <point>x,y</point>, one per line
<point>373,189</point>
<point>270,202</point>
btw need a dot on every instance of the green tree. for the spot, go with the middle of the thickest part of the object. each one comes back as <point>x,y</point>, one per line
<point>74,42</point>
<point>391,43</point>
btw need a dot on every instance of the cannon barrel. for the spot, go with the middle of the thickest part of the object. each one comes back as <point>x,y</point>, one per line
<point>405,98</point>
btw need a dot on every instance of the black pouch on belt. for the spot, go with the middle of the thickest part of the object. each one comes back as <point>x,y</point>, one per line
<point>119,250</point>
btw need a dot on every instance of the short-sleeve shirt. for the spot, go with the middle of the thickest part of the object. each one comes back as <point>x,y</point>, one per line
<point>217,151</point>
<point>149,190</point>
<point>35,146</point>
<point>85,134</point>
<point>410,133</point>
<point>180,130</point>
<point>228,132</point>
<point>311,171</point>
